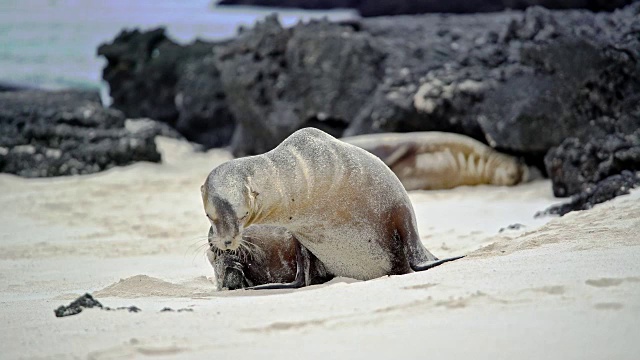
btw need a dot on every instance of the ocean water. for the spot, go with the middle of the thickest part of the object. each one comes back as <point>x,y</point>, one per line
<point>52,43</point>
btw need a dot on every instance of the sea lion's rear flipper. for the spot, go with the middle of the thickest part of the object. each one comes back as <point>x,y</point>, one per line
<point>302,271</point>
<point>431,264</point>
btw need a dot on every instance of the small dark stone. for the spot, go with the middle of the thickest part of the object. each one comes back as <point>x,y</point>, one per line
<point>512,227</point>
<point>84,301</point>
<point>87,301</point>
<point>168,309</point>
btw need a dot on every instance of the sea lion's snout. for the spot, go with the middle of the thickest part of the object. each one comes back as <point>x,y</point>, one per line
<point>227,243</point>
<point>219,242</point>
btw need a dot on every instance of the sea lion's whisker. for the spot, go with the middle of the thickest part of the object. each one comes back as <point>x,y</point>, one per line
<point>195,247</point>
<point>196,239</point>
<point>197,251</point>
<point>254,250</point>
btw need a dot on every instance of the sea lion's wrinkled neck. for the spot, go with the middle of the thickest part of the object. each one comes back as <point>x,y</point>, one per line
<point>264,210</point>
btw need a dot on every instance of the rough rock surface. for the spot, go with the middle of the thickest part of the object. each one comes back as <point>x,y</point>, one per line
<point>576,166</point>
<point>520,81</point>
<point>523,82</point>
<point>580,78</point>
<point>150,76</point>
<point>397,7</point>
<point>66,133</point>
<point>604,190</point>
<point>204,116</point>
<point>279,80</point>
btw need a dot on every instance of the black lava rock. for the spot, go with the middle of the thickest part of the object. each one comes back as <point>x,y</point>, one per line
<point>576,166</point>
<point>604,190</point>
<point>579,78</point>
<point>204,116</point>
<point>523,82</point>
<point>46,133</point>
<point>399,7</point>
<point>151,76</point>
<point>280,80</point>
<point>520,81</point>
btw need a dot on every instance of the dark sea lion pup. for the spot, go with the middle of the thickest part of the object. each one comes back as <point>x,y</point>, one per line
<point>267,254</point>
<point>339,202</point>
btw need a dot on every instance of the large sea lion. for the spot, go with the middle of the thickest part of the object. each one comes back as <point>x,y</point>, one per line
<point>339,202</point>
<point>437,160</point>
<point>267,254</point>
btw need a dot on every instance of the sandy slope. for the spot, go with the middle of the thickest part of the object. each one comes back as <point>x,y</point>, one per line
<point>567,289</point>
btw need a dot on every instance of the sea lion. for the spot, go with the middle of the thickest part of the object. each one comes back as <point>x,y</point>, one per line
<point>266,255</point>
<point>339,202</point>
<point>438,160</point>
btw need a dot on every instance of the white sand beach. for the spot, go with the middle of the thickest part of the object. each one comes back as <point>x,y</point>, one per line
<point>556,288</point>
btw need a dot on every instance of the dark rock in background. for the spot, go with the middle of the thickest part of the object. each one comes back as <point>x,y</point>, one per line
<point>46,133</point>
<point>604,190</point>
<point>398,7</point>
<point>576,166</point>
<point>436,70</point>
<point>522,82</point>
<point>581,80</point>
<point>280,80</point>
<point>146,71</point>
<point>204,116</point>
<point>10,86</point>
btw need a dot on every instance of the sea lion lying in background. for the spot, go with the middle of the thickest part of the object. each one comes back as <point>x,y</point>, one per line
<point>437,160</point>
<point>340,204</point>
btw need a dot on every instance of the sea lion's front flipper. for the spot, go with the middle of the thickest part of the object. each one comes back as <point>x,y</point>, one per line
<point>302,271</point>
<point>431,264</point>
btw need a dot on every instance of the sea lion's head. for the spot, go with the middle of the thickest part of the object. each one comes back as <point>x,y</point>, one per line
<point>227,202</point>
<point>508,170</point>
<point>227,266</point>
